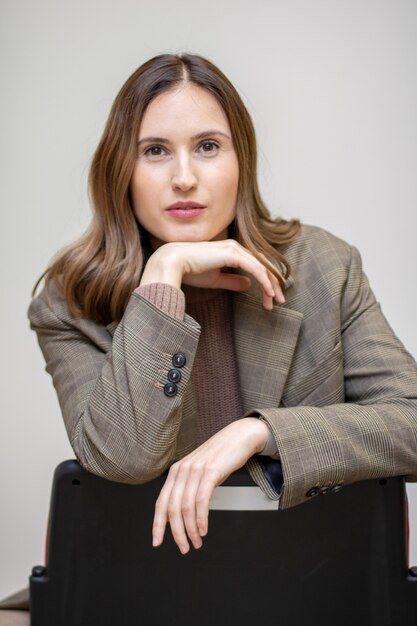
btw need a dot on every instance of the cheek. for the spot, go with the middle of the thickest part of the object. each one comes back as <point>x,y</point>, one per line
<point>225,180</point>
<point>143,187</point>
<point>230,187</point>
<point>138,198</point>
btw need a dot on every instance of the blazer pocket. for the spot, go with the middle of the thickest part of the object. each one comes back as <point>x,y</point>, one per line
<point>322,386</point>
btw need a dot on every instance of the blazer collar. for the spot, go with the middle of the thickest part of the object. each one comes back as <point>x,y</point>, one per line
<point>265,342</point>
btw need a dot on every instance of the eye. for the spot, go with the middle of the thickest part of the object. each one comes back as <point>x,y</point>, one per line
<point>209,146</point>
<point>153,151</point>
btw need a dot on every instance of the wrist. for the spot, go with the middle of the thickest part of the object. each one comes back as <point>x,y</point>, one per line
<point>258,433</point>
<point>162,268</point>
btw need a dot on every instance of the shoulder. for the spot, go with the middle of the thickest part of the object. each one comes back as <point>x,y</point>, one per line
<point>318,244</point>
<point>49,304</point>
<point>321,265</point>
<point>317,252</point>
<point>49,316</point>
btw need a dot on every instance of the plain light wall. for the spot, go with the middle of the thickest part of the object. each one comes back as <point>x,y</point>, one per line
<point>332,88</point>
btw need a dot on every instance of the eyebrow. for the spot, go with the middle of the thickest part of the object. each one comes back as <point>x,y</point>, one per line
<point>205,133</point>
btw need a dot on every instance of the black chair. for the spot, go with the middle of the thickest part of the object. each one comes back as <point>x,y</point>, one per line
<point>340,559</point>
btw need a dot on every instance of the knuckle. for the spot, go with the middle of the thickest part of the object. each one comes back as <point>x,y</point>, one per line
<point>201,500</point>
<point>186,507</point>
<point>184,467</point>
<point>197,467</point>
<point>174,468</point>
<point>232,246</point>
<point>159,504</point>
<point>172,509</point>
<point>210,469</point>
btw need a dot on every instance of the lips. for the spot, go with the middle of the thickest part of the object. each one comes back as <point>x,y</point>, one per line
<point>185,210</point>
<point>188,205</point>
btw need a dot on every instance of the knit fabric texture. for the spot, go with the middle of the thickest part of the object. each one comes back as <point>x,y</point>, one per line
<point>215,373</point>
<point>166,297</point>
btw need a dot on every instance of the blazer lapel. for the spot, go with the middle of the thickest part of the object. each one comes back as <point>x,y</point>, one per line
<point>264,343</point>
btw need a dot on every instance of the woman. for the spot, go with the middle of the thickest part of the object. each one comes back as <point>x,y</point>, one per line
<point>189,329</point>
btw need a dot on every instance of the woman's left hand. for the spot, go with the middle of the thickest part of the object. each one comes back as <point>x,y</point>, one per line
<point>185,497</point>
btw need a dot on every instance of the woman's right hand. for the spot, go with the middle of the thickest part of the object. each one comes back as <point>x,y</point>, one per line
<point>200,263</point>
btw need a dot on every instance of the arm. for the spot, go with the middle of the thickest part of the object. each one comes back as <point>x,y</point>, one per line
<point>185,497</point>
<point>120,423</point>
<point>374,432</point>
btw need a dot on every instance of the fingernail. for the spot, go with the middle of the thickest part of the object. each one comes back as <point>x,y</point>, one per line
<point>202,532</point>
<point>155,541</point>
<point>184,549</point>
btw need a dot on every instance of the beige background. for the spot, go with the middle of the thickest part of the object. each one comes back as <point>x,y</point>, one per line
<point>332,88</point>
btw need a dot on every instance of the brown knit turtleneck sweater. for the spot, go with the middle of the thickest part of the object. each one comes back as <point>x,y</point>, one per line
<point>215,374</point>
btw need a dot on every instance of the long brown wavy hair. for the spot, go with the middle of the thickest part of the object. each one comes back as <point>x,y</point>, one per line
<point>97,273</point>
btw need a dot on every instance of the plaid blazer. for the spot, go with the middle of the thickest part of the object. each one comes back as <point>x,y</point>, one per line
<point>324,370</point>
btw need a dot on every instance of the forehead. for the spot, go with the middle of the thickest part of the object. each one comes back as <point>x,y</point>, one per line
<point>186,109</point>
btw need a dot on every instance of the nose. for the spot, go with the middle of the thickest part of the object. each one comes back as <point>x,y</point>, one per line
<point>184,176</point>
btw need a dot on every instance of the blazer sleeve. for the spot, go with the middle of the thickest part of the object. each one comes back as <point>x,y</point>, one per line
<point>373,433</point>
<point>120,423</point>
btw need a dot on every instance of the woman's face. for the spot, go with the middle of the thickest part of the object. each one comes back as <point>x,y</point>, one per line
<point>185,155</point>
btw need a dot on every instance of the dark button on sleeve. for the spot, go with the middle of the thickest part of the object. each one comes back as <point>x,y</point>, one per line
<point>336,488</point>
<point>178,360</point>
<point>174,376</point>
<point>314,491</point>
<point>170,389</point>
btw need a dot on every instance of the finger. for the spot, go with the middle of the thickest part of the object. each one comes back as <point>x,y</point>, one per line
<point>233,282</point>
<point>254,267</point>
<point>271,269</point>
<point>202,501</point>
<point>238,256</point>
<point>269,283</point>
<point>275,283</point>
<point>189,506</point>
<point>267,301</point>
<point>263,277</point>
<point>279,294</point>
<point>266,280</point>
<point>175,511</point>
<point>161,510</point>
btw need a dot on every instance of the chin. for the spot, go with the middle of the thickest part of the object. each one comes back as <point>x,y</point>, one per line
<point>190,236</point>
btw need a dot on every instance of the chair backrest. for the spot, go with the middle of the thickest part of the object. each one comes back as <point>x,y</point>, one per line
<point>334,561</point>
